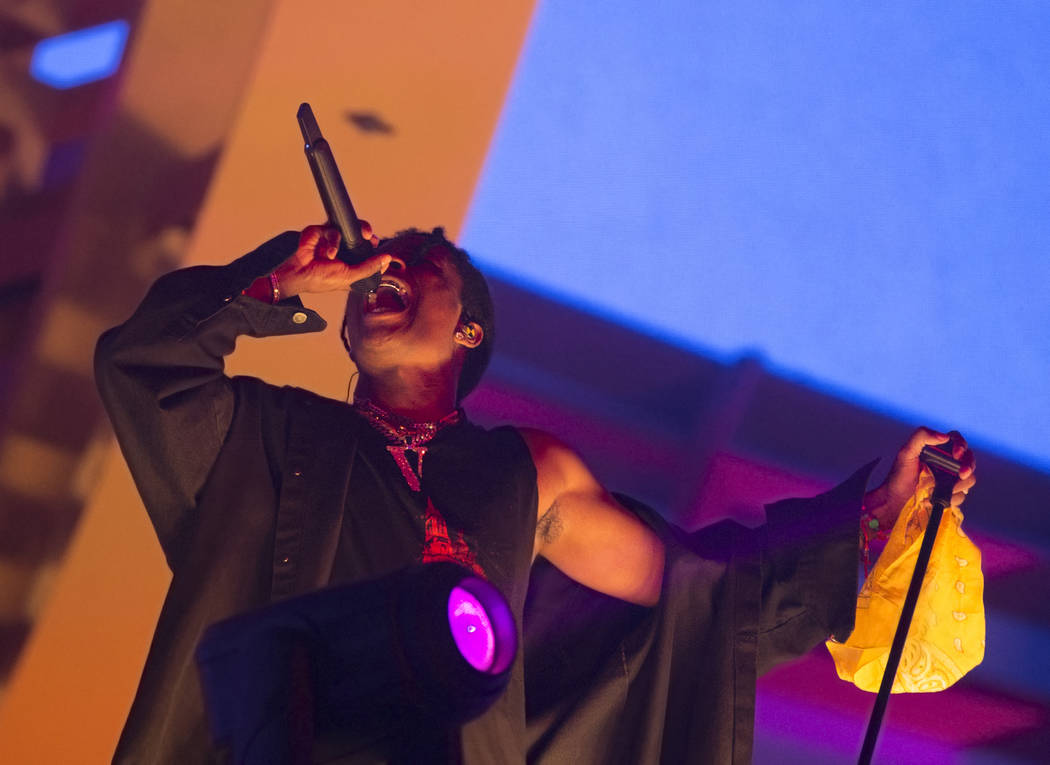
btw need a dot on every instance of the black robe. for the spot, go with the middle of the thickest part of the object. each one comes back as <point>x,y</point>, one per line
<point>246,497</point>
<point>608,682</point>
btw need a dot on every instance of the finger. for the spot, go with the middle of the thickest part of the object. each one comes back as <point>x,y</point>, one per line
<point>958,498</point>
<point>304,251</point>
<point>329,248</point>
<point>375,264</point>
<point>965,484</point>
<point>962,454</point>
<point>921,437</point>
<point>309,237</point>
<point>337,275</point>
<point>367,233</point>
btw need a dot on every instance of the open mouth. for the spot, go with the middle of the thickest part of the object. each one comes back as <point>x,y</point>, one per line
<point>389,297</point>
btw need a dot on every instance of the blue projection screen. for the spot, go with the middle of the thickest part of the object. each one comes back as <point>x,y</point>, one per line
<point>858,193</point>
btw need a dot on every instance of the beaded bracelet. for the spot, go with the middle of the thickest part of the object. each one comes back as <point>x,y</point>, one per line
<point>870,530</point>
<point>276,287</point>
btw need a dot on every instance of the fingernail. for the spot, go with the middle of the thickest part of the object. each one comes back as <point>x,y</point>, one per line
<point>385,264</point>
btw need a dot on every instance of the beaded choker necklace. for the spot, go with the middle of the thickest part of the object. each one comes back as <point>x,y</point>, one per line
<point>405,435</point>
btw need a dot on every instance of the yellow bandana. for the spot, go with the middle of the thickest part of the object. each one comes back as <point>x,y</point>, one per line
<point>946,639</point>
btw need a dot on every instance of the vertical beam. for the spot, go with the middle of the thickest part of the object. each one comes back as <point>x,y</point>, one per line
<point>141,181</point>
<point>437,73</point>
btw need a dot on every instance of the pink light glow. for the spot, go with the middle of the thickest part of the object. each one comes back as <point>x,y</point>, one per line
<point>471,629</point>
<point>958,718</point>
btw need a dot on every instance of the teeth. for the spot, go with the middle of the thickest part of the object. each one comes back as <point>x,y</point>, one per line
<point>373,295</point>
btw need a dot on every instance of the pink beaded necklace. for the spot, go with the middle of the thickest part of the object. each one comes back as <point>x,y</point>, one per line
<point>405,435</point>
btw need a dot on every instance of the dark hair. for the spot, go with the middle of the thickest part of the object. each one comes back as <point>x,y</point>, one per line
<point>474,297</point>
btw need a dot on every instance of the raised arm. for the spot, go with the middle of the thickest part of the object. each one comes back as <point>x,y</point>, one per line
<point>584,532</point>
<point>160,374</point>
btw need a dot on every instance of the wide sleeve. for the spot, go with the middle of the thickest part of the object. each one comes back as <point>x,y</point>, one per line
<point>610,682</point>
<point>809,563</point>
<point>161,376</point>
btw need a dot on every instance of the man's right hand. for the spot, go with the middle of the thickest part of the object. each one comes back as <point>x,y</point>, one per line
<point>313,266</point>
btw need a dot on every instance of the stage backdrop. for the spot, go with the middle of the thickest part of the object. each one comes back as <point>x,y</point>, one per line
<point>857,193</point>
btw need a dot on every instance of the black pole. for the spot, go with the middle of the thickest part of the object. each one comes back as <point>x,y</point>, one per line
<point>946,473</point>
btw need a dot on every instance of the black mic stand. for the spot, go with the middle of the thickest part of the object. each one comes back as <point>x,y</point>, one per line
<point>945,473</point>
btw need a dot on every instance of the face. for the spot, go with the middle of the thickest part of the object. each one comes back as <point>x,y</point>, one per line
<point>413,315</point>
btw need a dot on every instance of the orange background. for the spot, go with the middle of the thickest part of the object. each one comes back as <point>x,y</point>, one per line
<point>438,73</point>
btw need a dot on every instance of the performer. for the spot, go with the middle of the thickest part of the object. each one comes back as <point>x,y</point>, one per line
<point>258,493</point>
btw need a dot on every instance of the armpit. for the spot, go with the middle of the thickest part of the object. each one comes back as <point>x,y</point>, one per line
<point>550,524</point>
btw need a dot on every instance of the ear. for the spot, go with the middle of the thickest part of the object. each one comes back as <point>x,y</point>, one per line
<point>344,334</point>
<point>469,335</point>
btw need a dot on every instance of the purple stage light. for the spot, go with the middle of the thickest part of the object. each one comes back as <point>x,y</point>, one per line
<point>482,626</point>
<point>471,629</point>
<point>424,648</point>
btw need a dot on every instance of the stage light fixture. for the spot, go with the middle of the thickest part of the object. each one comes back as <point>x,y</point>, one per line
<point>388,665</point>
<point>79,57</point>
<point>471,629</point>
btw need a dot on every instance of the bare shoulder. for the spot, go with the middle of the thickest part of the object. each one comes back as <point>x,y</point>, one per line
<point>584,532</point>
<point>549,453</point>
<point>540,441</point>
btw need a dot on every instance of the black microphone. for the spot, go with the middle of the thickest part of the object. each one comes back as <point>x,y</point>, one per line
<point>354,248</point>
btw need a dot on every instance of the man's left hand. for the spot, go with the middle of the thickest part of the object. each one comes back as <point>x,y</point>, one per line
<point>909,474</point>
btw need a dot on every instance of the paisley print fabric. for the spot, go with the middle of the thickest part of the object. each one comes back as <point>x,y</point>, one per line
<point>946,639</point>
